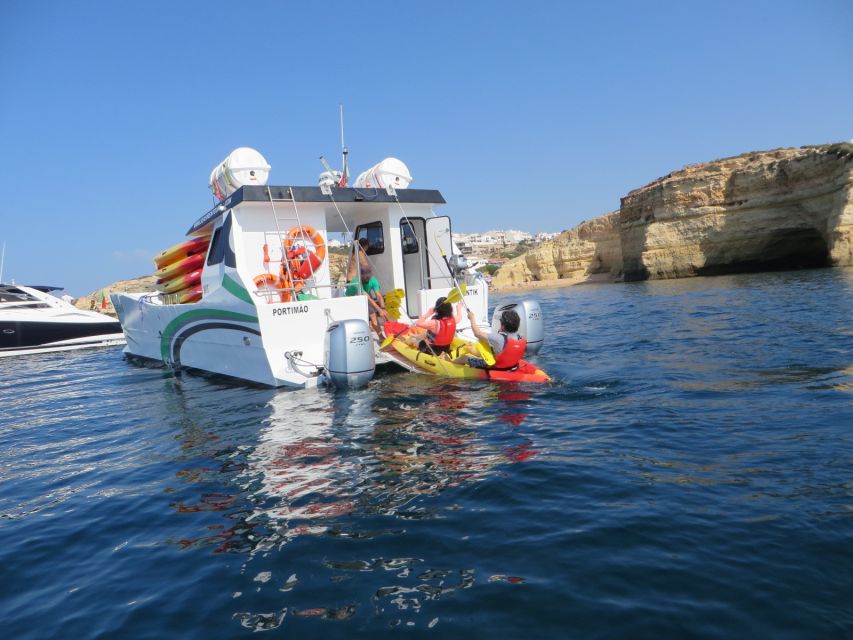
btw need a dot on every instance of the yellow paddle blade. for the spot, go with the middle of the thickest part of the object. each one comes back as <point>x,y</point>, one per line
<point>485,353</point>
<point>394,294</point>
<point>393,299</point>
<point>388,340</point>
<point>456,295</point>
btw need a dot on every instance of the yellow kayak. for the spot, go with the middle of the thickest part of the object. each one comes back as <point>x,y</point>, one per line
<point>180,251</point>
<point>428,363</point>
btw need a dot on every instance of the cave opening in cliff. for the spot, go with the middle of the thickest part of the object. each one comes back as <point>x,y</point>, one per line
<point>785,249</point>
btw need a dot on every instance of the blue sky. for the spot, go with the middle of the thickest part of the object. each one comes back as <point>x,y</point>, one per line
<point>527,115</point>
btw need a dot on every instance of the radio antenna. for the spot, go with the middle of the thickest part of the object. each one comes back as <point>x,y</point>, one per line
<point>344,152</point>
<point>2,260</point>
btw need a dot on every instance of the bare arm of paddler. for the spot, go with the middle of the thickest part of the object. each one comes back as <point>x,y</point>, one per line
<point>425,321</point>
<point>482,335</point>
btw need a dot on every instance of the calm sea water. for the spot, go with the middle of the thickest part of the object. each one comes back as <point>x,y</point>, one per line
<point>689,474</point>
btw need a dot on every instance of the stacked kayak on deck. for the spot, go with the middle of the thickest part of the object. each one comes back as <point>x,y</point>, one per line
<point>179,270</point>
<point>402,343</point>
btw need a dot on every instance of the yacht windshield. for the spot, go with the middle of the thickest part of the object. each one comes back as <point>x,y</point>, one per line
<point>13,294</point>
<point>12,297</point>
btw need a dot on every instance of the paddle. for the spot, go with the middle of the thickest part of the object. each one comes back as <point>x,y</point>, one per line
<point>389,339</point>
<point>457,295</point>
<point>486,353</point>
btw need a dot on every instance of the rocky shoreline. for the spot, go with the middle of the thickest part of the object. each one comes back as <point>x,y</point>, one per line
<point>759,211</point>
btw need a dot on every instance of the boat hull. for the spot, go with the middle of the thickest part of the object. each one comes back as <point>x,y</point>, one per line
<point>227,335</point>
<point>26,336</point>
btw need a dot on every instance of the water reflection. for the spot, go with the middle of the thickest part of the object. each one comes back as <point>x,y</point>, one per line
<point>340,466</point>
<point>301,474</point>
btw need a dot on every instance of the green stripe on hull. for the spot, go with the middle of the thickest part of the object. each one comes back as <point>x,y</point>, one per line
<point>192,316</point>
<point>235,289</point>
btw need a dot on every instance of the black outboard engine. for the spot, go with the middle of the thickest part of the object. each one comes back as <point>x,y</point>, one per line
<point>531,327</point>
<point>349,360</point>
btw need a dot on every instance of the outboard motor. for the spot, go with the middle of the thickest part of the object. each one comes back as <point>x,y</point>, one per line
<point>458,265</point>
<point>349,357</point>
<point>531,327</point>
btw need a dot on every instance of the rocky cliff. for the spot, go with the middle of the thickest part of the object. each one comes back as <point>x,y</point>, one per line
<point>786,208</point>
<point>592,248</point>
<point>100,300</point>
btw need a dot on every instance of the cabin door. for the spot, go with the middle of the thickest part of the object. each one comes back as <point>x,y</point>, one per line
<point>412,234</point>
<point>425,242</point>
<point>439,244</point>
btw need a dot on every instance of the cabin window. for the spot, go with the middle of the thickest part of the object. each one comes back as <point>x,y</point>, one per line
<point>410,238</point>
<point>217,248</point>
<point>13,294</point>
<point>375,237</point>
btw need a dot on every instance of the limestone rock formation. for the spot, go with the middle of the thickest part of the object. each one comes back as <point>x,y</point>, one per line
<point>100,300</point>
<point>592,248</point>
<point>786,208</point>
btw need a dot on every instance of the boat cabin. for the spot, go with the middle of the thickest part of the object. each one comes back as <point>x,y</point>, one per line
<point>408,245</point>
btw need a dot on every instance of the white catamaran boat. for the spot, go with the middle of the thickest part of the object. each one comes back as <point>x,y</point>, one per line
<point>250,296</point>
<point>33,321</point>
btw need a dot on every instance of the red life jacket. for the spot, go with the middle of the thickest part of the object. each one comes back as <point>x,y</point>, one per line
<point>446,334</point>
<point>511,355</point>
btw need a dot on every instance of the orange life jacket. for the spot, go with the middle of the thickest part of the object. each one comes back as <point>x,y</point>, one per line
<point>512,352</point>
<point>446,334</point>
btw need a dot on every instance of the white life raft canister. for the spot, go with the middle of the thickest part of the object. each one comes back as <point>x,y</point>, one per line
<point>243,166</point>
<point>388,172</point>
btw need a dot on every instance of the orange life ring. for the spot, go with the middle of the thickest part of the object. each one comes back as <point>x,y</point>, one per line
<point>306,261</point>
<point>272,280</point>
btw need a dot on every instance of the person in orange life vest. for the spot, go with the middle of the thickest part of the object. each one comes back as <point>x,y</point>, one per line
<point>507,345</point>
<point>440,324</point>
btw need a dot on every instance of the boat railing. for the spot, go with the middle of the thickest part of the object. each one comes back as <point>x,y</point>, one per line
<point>269,293</point>
<point>469,281</point>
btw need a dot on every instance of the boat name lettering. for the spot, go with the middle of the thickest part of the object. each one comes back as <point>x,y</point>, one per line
<point>289,311</point>
<point>472,292</point>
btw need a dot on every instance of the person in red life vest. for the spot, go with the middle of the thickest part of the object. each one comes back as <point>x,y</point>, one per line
<point>440,324</point>
<point>507,345</point>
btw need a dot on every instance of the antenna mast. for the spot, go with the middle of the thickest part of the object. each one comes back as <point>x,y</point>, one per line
<point>344,152</point>
<point>2,260</point>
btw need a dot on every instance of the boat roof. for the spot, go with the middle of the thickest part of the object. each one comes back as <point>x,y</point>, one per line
<point>257,193</point>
